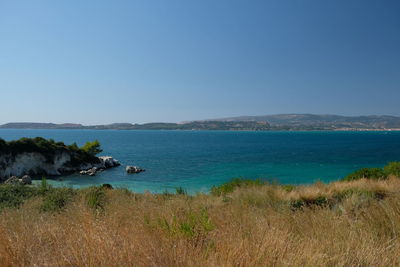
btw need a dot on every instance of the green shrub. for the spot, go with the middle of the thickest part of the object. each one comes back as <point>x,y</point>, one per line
<point>192,224</point>
<point>92,148</point>
<point>12,196</point>
<point>393,168</point>
<point>56,199</point>
<point>96,198</point>
<point>44,187</point>
<point>288,187</point>
<point>230,186</point>
<point>368,173</point>
<point>319,201</point>
<point>180,191</point>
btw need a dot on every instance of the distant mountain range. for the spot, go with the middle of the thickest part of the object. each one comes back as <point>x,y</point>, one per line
<point>251,123</point>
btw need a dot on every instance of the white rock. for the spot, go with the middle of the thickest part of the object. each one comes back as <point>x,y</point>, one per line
<point>109,162</point>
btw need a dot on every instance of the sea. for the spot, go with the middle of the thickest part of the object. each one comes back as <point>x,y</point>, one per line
<point>198,160</point>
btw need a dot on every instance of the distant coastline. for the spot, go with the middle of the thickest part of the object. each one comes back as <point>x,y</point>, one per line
<point>280,122</point>
<point>367,130</point>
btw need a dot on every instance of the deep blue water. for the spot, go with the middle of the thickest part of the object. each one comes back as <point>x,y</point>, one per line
<point>196,160</point>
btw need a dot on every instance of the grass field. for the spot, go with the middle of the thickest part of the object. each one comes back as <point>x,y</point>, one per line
<point>353,223</point>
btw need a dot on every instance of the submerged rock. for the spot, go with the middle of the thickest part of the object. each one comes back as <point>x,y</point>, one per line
<point>133,169</point>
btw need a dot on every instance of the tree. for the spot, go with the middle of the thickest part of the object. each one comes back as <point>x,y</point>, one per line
<point>93,148</point>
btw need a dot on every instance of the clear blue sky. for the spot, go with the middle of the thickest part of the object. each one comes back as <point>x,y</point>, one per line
<point>139,61</point>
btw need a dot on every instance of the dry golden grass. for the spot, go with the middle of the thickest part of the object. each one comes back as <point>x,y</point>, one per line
<point>253,226</point>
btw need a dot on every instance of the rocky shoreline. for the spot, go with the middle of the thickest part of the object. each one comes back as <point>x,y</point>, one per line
<point>90,169</point>
<point>106,162</point>
<point>24,180</point>
<point>16,173</point>
<point>37,157</point>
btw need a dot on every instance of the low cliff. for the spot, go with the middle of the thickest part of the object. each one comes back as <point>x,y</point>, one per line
<point>38,156</point>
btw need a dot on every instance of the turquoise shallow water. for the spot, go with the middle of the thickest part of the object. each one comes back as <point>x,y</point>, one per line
<point>196,160</point>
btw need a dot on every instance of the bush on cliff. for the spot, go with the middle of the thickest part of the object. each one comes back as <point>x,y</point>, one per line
<point>49,148</point>
<point>92,148</point>
<point>37,144</point>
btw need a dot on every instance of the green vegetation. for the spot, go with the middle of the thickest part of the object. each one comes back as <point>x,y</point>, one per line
<point>96,197</point>
<point>12,196</point>
<point>230,186</point>
<point>391,169</point>
<point>368,173</point>
<point>92,148</point>
<point>288,187</point>
<point>180,191</point>
<point>192,224</point>
<point>37,144</point>
<point>55,199</point>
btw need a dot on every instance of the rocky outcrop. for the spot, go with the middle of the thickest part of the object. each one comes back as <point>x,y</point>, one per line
<point>109,162</point>
<point>39,156</point>
<point>133,169</point>
<point>105,163</point>
<point>26,179</point>
<point>90,172</point>
<point>35,164</point>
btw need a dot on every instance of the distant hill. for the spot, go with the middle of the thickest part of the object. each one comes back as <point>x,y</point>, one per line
<point>38,125</point>
<point>249,123</point>
<point>195,125</point>
<point>323,121</point>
